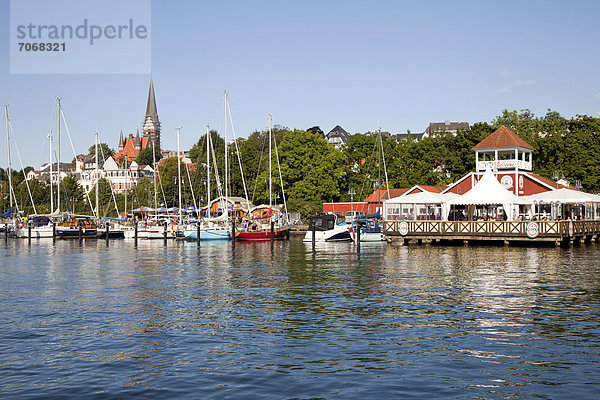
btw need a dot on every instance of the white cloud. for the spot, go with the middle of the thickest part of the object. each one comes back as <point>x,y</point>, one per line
<point>596,96</point>
<point>505,90</point>
<point>506,73</point>
<point>524,83</point>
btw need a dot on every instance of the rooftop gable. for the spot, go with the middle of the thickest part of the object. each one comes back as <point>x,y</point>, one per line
<point>502,137</point>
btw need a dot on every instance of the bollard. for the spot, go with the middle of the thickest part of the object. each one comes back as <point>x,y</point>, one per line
<point>135,232</point>
<point>165,233</point>
<point>5,232</point>
<point>272,229</point>
<point>233,232</point>
<point>80,233</point>
<point>53,232</point>
<point>313,235</point>
<point>29,232</point>
<point>197,234</point>
<point>107,232</point>
<point>358,237</point>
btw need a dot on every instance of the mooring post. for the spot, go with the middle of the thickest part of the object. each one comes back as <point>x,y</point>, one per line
<point>80,233</point>
<point>233,232</point>
<point>358,237</point>
<point>53,232</point>
<point>313,233</point>
<point>165,233</point>
<point>272,229</point>
<point>29,231</point>
<point>107,232</point>
<point>198,234</point>
<point>135,232</point>
<point>5,232</point>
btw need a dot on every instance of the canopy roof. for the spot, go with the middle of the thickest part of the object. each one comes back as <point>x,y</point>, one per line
<point>564,195</point>
<point>422,198</point>
<point>488,191</point>
<point>503,138</point>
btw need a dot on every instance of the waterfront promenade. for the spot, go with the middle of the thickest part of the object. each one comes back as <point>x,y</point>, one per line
<point>522,232</point>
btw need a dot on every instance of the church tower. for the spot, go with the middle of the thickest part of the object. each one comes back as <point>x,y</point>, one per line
<point>151,125</point>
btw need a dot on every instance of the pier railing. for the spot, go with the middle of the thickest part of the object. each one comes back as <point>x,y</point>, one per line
<point>491,230</point>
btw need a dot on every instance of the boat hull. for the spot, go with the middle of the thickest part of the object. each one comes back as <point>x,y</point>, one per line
<point>333,235</point>
<point>208,234</point>
<point>112,234</point>
<point>73,233</point>
<point>278,234</point>
<point>38,232</point>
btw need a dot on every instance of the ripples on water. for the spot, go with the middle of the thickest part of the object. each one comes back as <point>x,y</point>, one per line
<point>255,322</point>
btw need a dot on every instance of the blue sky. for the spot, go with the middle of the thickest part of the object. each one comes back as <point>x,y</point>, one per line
<point>353,63</point>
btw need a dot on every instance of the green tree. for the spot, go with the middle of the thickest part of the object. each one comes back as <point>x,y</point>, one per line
<point>102,149</point>
<point>73,194</point>
<point>310,168</point>
<point>145,156</point>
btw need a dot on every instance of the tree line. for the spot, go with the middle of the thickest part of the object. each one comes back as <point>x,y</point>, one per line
<point>314,172</point>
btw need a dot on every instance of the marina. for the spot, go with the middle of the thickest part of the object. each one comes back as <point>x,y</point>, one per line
<point>299,200</point>
<point>281,320</point>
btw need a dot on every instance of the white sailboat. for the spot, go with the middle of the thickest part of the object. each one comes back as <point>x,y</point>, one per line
<point>371,229</point>
<point>211,228</point>
<point>266,223</point>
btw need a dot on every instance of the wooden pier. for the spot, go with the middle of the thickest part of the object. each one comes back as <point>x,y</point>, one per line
<point>517,232</point>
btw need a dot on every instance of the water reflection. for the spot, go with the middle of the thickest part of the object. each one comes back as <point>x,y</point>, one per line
<point>282,320</point>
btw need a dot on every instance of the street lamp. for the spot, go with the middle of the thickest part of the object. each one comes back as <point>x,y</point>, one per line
<point>352,192</point>
<point>558,174</point>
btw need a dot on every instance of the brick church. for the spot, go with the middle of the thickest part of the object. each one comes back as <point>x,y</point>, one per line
<point>131,146</point>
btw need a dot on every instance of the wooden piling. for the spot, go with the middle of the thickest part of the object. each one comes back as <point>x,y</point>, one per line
<point>233,232</point>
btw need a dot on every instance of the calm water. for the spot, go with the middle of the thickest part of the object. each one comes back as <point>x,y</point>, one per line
<point>255,322</point>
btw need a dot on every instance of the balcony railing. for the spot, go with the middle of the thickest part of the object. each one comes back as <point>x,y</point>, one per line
<point>504,164</point>
<point>491,230</point>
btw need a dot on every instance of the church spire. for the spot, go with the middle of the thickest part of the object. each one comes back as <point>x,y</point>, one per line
<point>151,124</point>
<point>151,107</point>
<point>121,142</point>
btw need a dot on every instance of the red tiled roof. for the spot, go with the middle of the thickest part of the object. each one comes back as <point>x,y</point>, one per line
<point>550,182</point>
<point>503,137</point>
<point>384,194</point>
<point>433,189</point>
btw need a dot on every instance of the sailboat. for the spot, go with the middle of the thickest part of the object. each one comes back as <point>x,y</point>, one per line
<point>37,226</point>
<point>265,223</point>
<point>371,229</point>
<point>211,228</point>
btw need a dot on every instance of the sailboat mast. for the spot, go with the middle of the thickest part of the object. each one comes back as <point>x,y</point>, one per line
<point>207,171</point>
<point>179,171</point>
<point>96,173</point>
<point>126,186</point>
<point>270,180</point>
<point>10,188</point>
<point>379,168</point>
<point>58,152</point>
<point>51,194</point>
<point>154,168</point>
<point>226,162</point>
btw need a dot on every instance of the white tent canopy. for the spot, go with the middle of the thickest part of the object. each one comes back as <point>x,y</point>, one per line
<point>564,196</point>
<point>424,198</point>
<point>488,191</point>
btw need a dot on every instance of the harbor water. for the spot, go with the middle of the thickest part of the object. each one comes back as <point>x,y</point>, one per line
<point>281,321</point>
